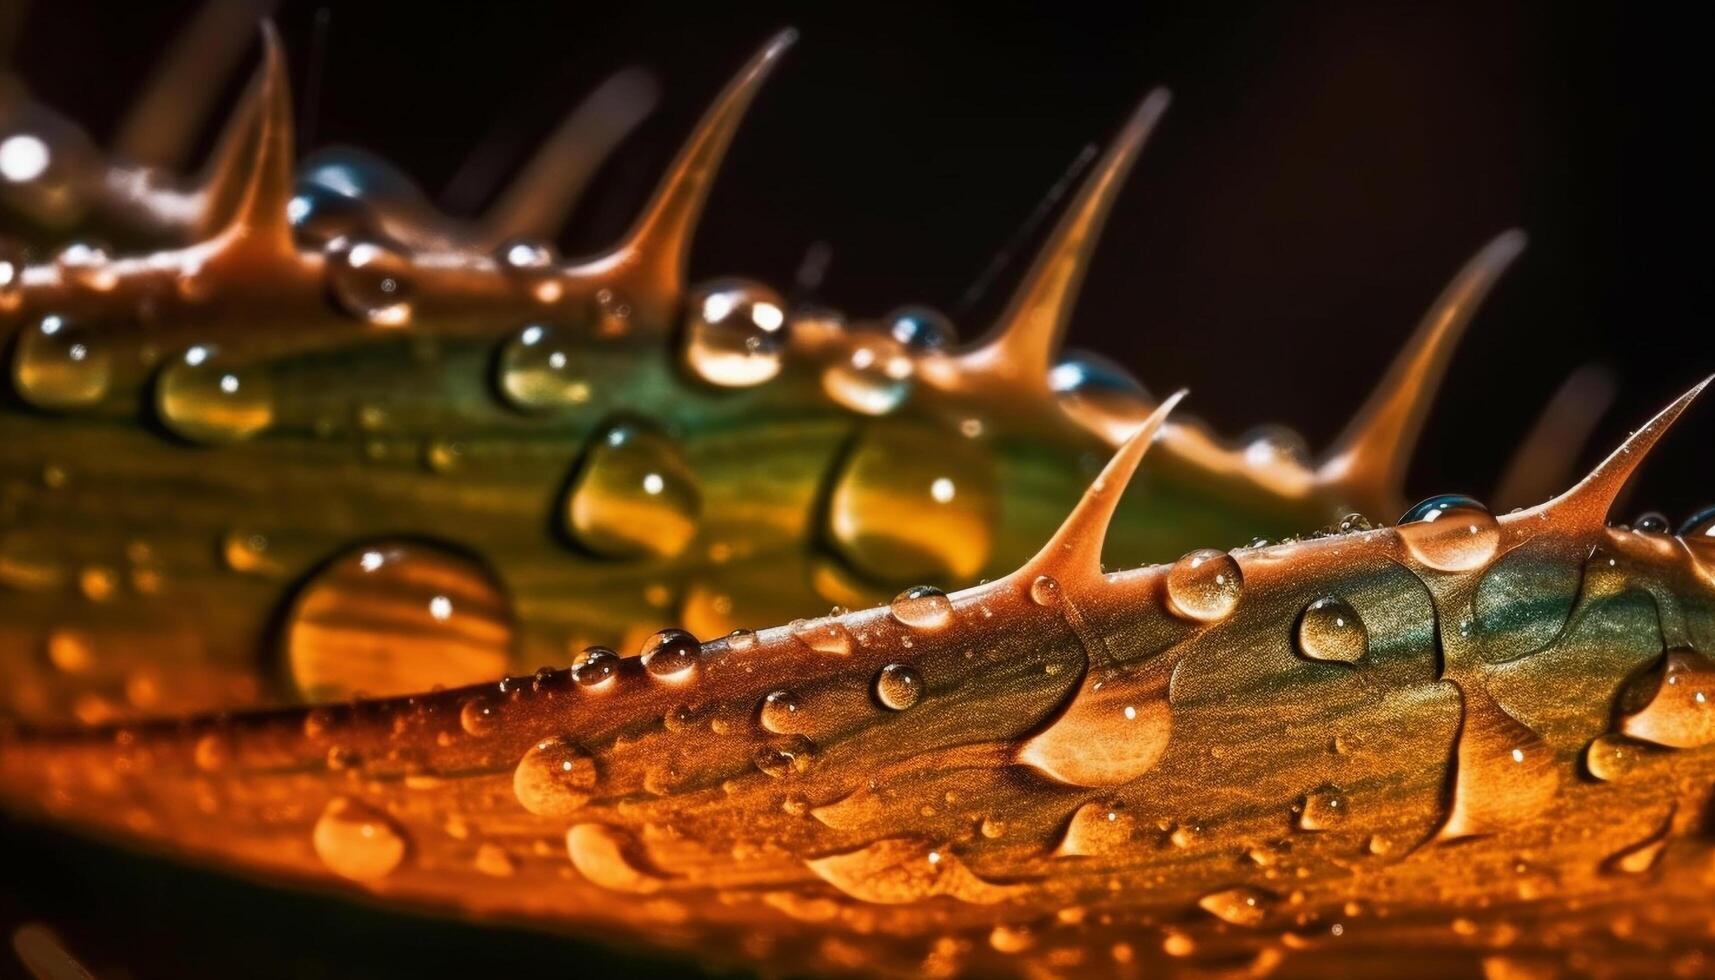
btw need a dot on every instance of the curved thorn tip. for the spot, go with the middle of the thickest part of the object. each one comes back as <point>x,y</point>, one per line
<point>257,218</point>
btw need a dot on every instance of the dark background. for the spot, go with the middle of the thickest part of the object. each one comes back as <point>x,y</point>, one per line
<point>1323,171</point>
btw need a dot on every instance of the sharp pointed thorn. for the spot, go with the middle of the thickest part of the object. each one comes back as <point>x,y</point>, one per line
<point>537,202</point>
<point>1584,508</point>
<point>1367,463</point>
<point>650,264</point>
<point>163,123</point>
<point>1024,341</point>
<point>257,220</point>
<point>1543,462</point>
<point>1074,553</point>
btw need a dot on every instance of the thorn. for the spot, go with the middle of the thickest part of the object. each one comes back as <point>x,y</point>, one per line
<point>537,202</point>
<point>1023,342</point>
<point>1543,462</point>
<point>257,221</point>
<point>649,266</point>
<point>164,121</point>
<point>1367,463</point>
<point>1074,553</point>
<point>1585,507</point>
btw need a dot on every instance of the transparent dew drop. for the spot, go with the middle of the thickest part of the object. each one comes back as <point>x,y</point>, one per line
<point>898,686</point>
<point>87,264</point>
<point>1611,757</point>
<point>357,841</point>
<point>1450,533</point>
<point>372,279</point>
<point>596,667</point>
<point>920,328</point>
<point>1504,773</point>
<point>1115,729</point>
<point>480,716</point>
<point>741,639</point>
<point>874,379</point>
<point>526,255</point>
<point>735,333</point>
<point>1330,629</point>
<point>912,502</point>
<point>1323,808</point>
<point>1652,522</point>
<point>902,870</point>
<point>828,636</point>
<point>540,369</point>
<point>1097,829</point>
<point>1204,585</point>
<point>320,216</point>
<point>1239,906</point>
<point>205,397</point>
<point>606,856</point>
<point>671,654</point>
<point>1045,591</point>
<point>785,756</point>
<point>779,712</point>
<point>59,365</point>
<point>394,618</point>
<point>923,607</point>
<point>634,495</point>
<point>1098,393</point>
<point>1680,710</point>
<point>555,778</point>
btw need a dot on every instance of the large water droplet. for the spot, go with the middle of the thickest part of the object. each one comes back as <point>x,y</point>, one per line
<point>607,856</point>
<point>1204,585</point>
<point>60,365</point>
<point>1330,629</point>
<point>1097,393</point>
<point>397,618</point>
<point>357,841</point>
<point>596,667</point>
<point>540,369</point>
<point>205,397</point>
<point>779,712</point>
<point>914,503</point>
<point>1240,906</point>
<point>372,279</point>
<point>874,379</point>
<point>1115,729</point>
<point>736,333</point>
<point>898,686</point>
<point>1096,829</point>
<point>1504,773</point>
<point>671,654</point>
<point>922,606</point>
<point>1678,711</point>
<point>555,778</point>
<point>900,870</point>
<point>1611,757</point>
<point>828,636</point>
<point>1450,533</point>
<point>635,495</point>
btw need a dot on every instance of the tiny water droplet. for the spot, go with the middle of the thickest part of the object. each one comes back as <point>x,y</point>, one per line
<point>1330,629</point>
<point>1045,591</point>
<point>635,495</point>
<point>492,860</point>
<point>555,778</point>
<point>1204,585</point>
<point>920,328</point>
<point>540,369</point>
<point>671,654</point>
<point>874,379</point>
<point>736,333</point>
<point>1450,533</point>
<point>526,255</point>
<point>357,841</point>
<point>828,636</point>
<point>779,712</point>
<point>479,716</point>
<point>205,396</point>
<point>922,606</point>
<point>784,756</point>
<point>371,279</point>
<point>59,365</point>
<point>1240,906</point>
<point>1652,522</point>
<point>1096,829</point>
<point>1273,445</point>
<point>1323,808</point>
<point>898,686</point>
<point>597,666</point>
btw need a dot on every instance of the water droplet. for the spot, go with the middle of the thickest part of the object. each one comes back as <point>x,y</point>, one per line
<point>781,757</point>
<point>492,860</point>
<point>480,716</point>
<point>1504,773</point>
<point>898,686</point>
<point>874,379</point>
<point>741,639</point>
<point>1240,906</point>
<point>1676,702</point>
<point>922,606</point>
<point>1045,591</point>
<point>1008,938</point>
<point>1204,585</point>
<point>605,855</point>
<point>901,870</point>
<point>526,255</point>
<point>1323,808</point>
<point>1652,522</point>
<point>920,328</point>
<point>60,365</point>
<point>635,495</point>
<point>1330,629</point>
<point>671,654</point>
<point>1450,533</point>
<point>914,503</point>
<point>396,618</point>
<point>357,841</point>
<point>88,265</point>
<point>540,369</point>
<point>205,397</point>
<point>1611,757</point>
<point>1096,829</point>
<point>1638,858</point>
<point>320,216</point>
<point>1097,393</point>
<point>1114,730</point>
<point>828,636</point>
<point>597,666</point>
<point>736,333</point>
<point>1274,445</point>
<point>779,712</point>
<point>371,279</point>
<point>555,778</point>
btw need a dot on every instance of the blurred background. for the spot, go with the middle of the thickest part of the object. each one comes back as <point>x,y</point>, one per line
<point>1321,174</point>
